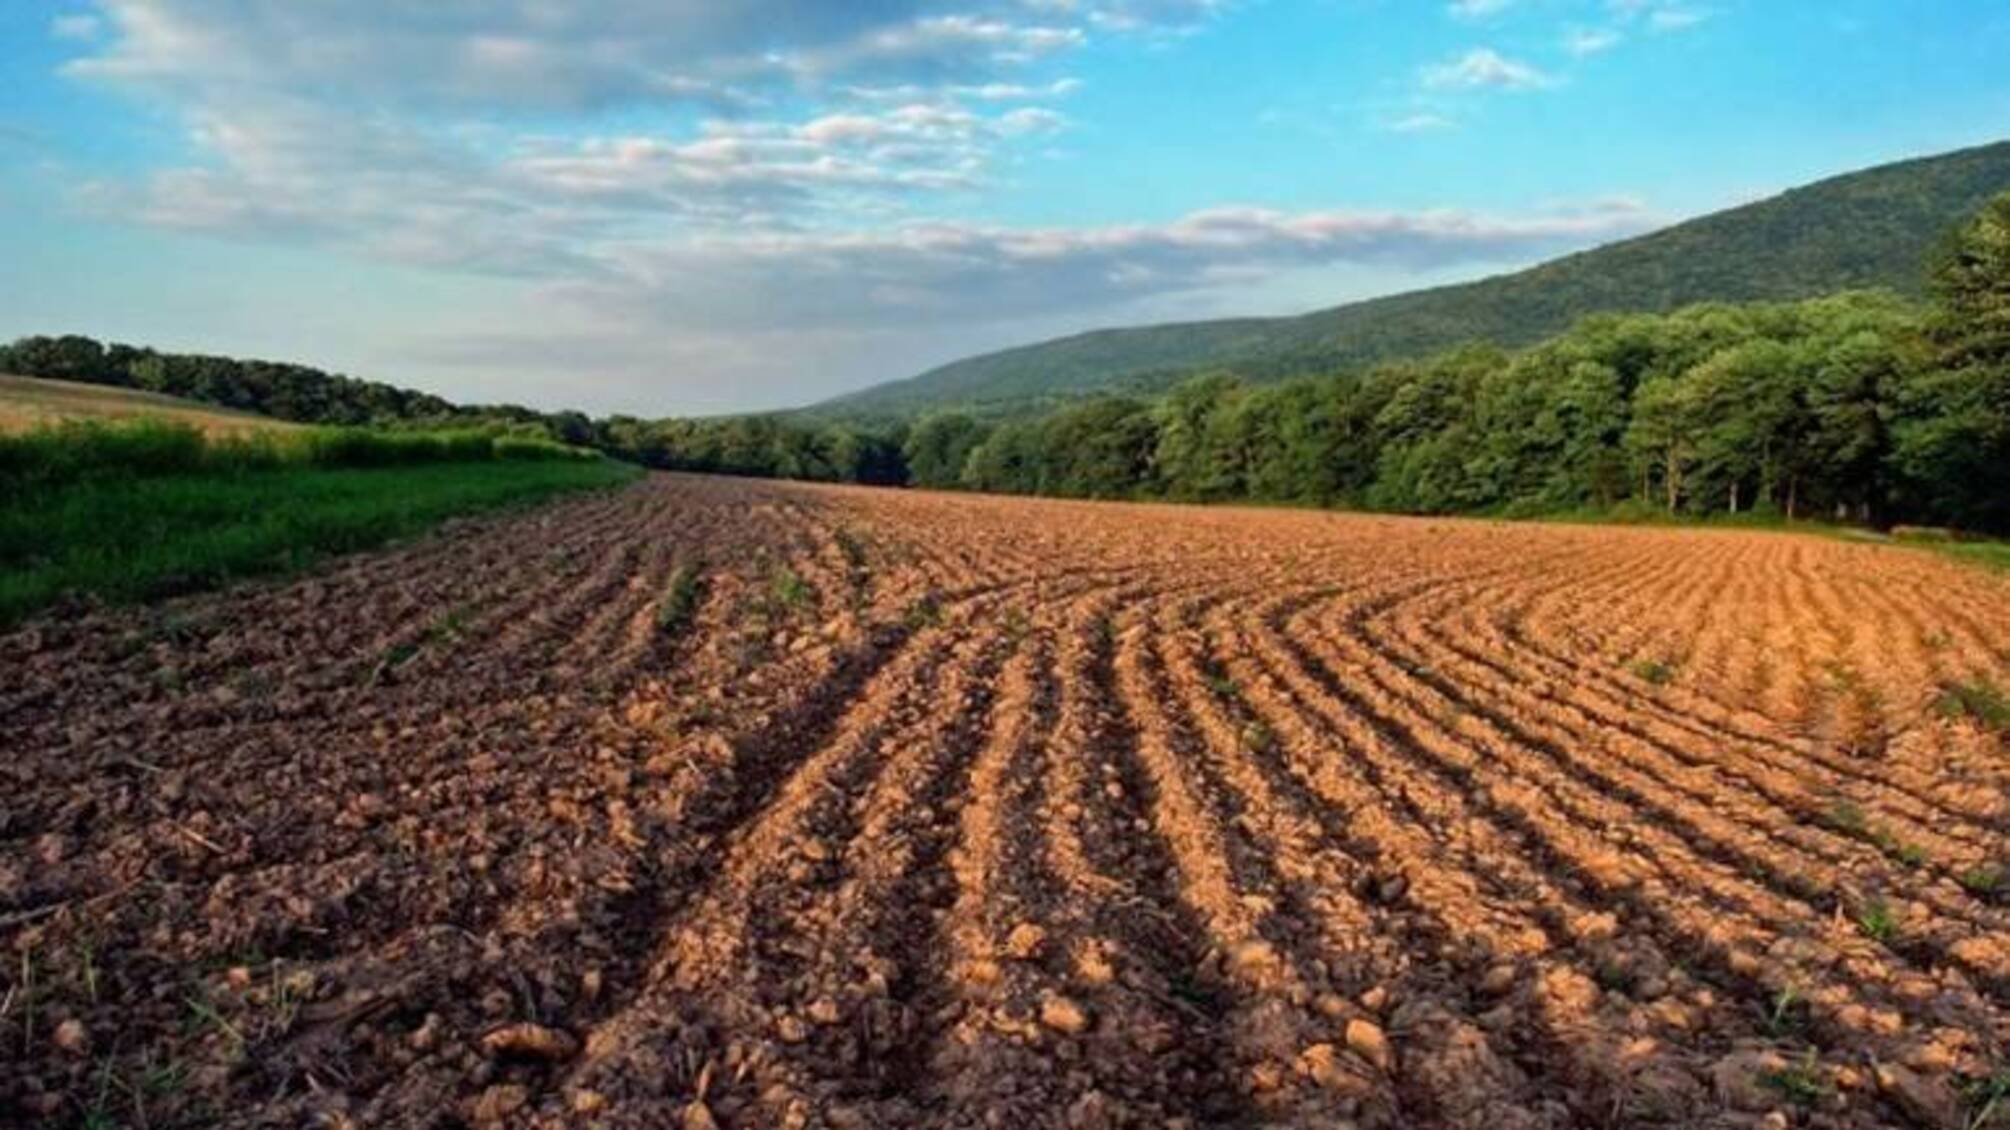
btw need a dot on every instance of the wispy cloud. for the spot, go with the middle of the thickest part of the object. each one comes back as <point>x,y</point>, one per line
<point>1659,15</point>
<point>1675,17</point>
<point>1421,122</point>
<point>1484,67</point>
<point>1478,9</point>
<point>982,272</point>
<point>1590,41</point>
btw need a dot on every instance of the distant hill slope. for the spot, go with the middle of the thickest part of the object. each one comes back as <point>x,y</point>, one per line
<point>1872,228</point>
<point>27,402</point>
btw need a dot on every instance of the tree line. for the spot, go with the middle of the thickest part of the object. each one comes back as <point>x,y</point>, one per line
<point>1860,406</point>
<point>284,391</point>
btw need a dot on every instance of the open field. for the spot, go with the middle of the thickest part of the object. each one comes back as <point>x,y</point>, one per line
<point>714,802</point>
<point>30,402</point>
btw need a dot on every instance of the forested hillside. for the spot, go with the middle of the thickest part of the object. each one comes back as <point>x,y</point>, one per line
<point>1869,229</point>
<point>1865,406</point>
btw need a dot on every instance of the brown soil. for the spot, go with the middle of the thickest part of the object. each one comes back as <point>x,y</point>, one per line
<point>934,811</point>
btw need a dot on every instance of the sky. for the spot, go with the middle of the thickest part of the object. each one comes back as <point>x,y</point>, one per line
<point>680,207</point>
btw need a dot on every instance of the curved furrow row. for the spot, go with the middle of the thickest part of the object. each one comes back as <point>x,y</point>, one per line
<point>1395,935</point>
<point>789,979</point>
<point>1052,1010</point>
<point>1127,946</point>
<point>1669,877</point>
<point>1804,786</point>
<point>1540,944</point>
<point>1588,697</point>
<point>1786,837</point>
<point>1528,638</point>
<point>1285,1029</point>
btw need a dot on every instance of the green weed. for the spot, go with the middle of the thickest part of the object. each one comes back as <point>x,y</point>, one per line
<point>852,548</point>
<point>204,1015</point>
<point>87,968</point>
<point>1912,855</point>
<point>1016,623</point>
<point>923,613</point>
<point>1655,672</point>
<point>1788,1012</point>
<point>681,599</point>
<point>1848,816</point>
<point>1876,921</point>
<point>394,657</point>
<point>1984,881</point>
<point>1801,1083</point>
<point>1987,1099</point>
<point>788,589</point>
<point>1979,701</point>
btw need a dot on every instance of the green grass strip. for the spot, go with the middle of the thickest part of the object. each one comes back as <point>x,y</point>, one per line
<point>124,540</point>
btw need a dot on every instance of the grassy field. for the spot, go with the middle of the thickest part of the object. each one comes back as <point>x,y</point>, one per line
<point>27,403</point>
<point>139,510</point>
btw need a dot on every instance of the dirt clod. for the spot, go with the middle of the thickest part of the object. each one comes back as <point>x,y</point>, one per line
<point>1064,1015</point>
<point>531,1040</point>
<point>71,1036</point>
<point>1366,1039</point>
<point>499,1102</point>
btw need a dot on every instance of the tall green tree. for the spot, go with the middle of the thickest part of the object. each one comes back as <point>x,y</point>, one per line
<point>938,447</point>
<point>1953,440</point>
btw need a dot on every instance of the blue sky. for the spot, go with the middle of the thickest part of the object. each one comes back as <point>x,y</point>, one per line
<point>682,206</point>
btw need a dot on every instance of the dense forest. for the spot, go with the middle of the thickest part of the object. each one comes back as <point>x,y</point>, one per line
<point>1863,230</point>
<point>1863,406</point>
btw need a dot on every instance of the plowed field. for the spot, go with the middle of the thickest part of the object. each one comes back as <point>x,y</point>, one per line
<point>711,802</point>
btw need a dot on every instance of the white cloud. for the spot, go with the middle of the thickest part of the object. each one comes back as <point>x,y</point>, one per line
<point>328,117</point>
<point>572,54</point>
<point>1673,18</point>
<point>674,182</point>
<point>1485,67</point>
<point>1659,15</point>
<point>1423,122</point>
<point>1590,41</point>
<point>987,92</point>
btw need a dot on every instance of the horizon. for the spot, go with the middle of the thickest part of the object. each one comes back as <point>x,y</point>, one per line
<point>613,208</point>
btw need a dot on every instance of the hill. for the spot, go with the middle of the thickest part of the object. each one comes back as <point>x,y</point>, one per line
<point>28,402</point>
<point>1870,228</point>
